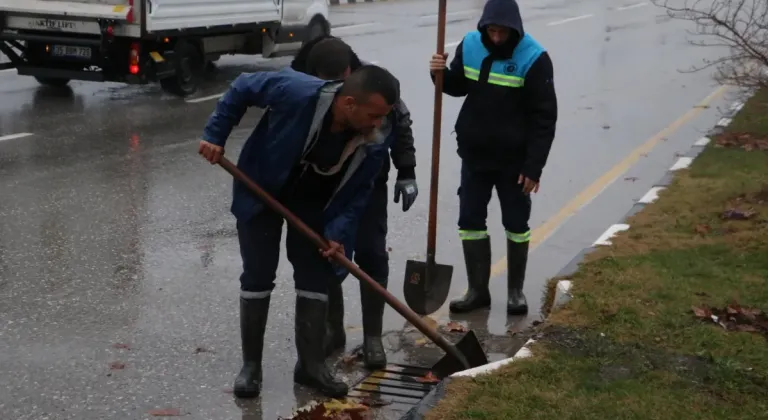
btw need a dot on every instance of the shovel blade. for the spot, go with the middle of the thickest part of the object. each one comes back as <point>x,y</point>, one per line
<point>425,296</point>
<point>469,346</point>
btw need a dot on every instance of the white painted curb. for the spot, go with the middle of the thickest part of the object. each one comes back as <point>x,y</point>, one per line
<point>523,353</point>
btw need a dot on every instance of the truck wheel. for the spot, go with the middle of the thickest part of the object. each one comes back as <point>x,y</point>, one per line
<point>52,81</point>
<point>190,66</point>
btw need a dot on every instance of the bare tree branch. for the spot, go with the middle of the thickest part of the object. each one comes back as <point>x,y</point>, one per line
<point>740,26</point>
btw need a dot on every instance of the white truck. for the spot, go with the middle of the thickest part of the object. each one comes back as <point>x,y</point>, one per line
<point>143,41</point>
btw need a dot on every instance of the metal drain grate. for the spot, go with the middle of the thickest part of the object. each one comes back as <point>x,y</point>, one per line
<point>396,387</point>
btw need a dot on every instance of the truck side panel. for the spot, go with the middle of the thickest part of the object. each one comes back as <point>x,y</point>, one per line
<point>172,15</point>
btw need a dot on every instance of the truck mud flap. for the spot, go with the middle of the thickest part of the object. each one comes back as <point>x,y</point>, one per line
<point>394,390</point>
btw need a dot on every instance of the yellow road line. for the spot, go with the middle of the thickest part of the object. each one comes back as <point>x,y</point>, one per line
<point>541,233</point>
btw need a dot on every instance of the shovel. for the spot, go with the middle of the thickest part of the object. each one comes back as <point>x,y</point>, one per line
<point>466,354</point>
<point>427,283</point>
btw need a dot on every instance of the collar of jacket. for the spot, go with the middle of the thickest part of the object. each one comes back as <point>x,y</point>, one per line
<point>324,101</point>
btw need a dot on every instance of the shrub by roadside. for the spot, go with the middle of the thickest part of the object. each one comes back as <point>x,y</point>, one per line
<point>668,322</point>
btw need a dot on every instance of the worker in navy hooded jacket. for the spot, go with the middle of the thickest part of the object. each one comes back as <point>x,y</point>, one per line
<point>329,57</point>
<point>318,154</point>
<point>504,132</point>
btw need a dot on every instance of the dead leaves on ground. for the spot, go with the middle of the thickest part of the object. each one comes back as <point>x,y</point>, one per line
<point>736,214</point>
<point>351,359</point>
<point>165,412</point>
<point>117,366</point>
<point>334,410</point>
<point>735,317</point>
<point>454,326</point>
<point>429,378</point>
<point>746,141</point>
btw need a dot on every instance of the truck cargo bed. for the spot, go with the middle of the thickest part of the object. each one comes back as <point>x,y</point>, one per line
<point>161,15</point>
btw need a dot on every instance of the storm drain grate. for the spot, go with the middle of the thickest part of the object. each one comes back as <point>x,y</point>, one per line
<point>396,387</point>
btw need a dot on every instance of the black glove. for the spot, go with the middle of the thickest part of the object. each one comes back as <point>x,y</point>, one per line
<point>408,189</point>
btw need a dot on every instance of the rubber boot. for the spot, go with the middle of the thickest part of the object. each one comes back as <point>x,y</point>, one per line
<point>335,336</point>
<point>310,369</point>
<point>374,355</point>
<point>477,257</point>
<point>253,323</point>
<point>517,260</point>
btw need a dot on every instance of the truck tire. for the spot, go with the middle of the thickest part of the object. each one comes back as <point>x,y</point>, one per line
<point>52,81</point>
<point>189,65</point>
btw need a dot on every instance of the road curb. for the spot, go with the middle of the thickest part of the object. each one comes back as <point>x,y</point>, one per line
<point>343,2</point>
<point>438,392</point>
<point>564,287</point>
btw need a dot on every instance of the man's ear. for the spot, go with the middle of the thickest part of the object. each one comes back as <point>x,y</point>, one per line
<point>348,101</point>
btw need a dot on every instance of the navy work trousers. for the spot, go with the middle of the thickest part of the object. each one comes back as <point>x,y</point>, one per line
<point>475,193</point>
<point>371,240</point>
<point>260,250</point>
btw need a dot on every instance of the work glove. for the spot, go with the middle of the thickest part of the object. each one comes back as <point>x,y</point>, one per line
<point>408,189</point>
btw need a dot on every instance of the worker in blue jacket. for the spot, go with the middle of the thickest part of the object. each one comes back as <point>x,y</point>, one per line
<point>318,154</point>
<point>504,132</point>
<point>331,58</point>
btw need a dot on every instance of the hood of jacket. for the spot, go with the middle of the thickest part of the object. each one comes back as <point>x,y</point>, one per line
<point>504,13</point>
<point>299,62</point>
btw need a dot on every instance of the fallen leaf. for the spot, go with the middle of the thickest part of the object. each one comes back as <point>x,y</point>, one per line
<point>736,214</point>
<point>735,317</point>
<point>165,412</point>
<point>370,402</point>
<point>117,365</point>
<point>350,359</point>
<point>747,328</point>
<point>701,312</point>
<point>430,321</point>
<point>454,326</point>
<point>336,406</point>
<point>420,341</point>
<point>121,346</point>
<point>429,378</point>
<point>702,229</point>
<point>745,141</point>
<point>333,410</point>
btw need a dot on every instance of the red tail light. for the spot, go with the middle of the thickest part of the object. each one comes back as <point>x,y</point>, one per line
<point>133,60</point>
<point>129,16</point>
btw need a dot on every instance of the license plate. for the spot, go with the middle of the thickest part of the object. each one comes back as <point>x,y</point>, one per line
<point>70,51</point>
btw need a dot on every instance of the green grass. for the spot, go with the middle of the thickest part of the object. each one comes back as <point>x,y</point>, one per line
<point>628,345</point>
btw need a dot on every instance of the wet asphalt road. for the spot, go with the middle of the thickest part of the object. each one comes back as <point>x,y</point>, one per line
<point>116,234</point>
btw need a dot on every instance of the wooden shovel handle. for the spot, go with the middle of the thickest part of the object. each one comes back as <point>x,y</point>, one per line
<point>361,275</point>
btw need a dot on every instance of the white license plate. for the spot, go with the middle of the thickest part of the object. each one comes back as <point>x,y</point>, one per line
<point>70,51</point>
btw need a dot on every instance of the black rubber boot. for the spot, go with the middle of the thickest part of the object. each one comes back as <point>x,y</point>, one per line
<point>517,260</point>
<point>335,335</point>
<point>253,323</point>
<point>477,257</point>
<point>374,356</point>
<point>310,369</point>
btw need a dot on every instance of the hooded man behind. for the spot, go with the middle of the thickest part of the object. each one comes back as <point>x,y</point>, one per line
<point>329,57</point>
<point>504,133</point>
